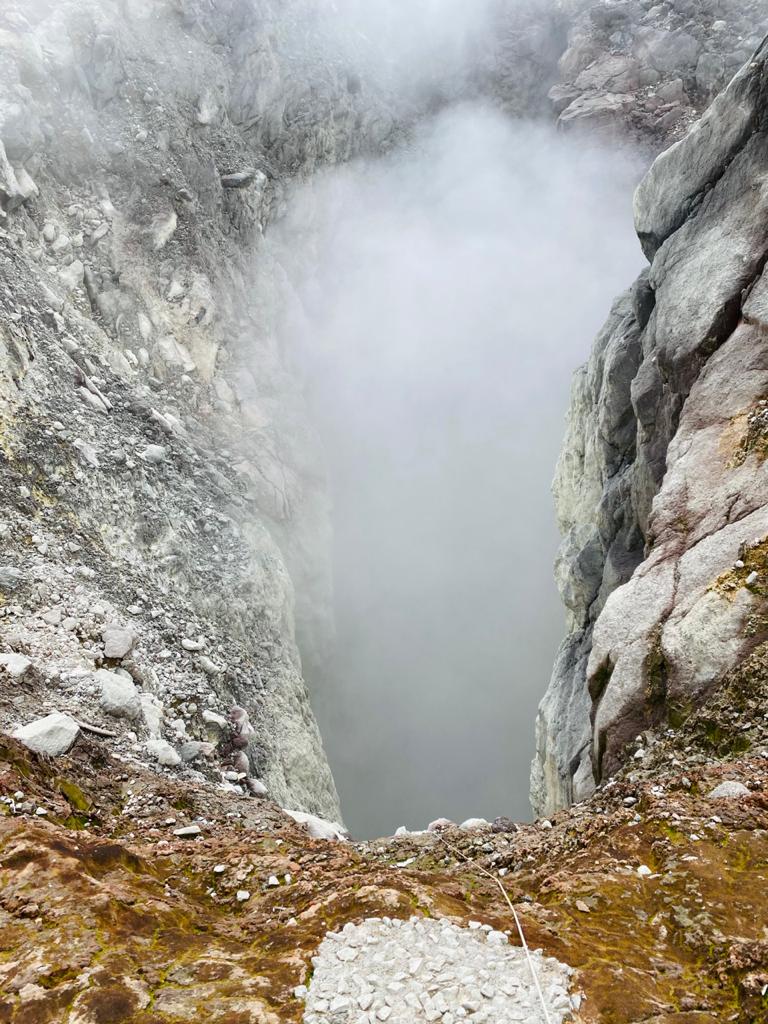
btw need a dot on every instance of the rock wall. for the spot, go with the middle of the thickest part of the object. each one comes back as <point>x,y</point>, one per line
<point>645,70</point>
<point>164,510</point>
<point>157,470</point>
<point>661,486</point>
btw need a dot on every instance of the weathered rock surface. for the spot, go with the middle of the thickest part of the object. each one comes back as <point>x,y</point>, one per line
<point>647,70</point>
<point>158,473</point>
<point>118,696</point>
<point>661,486</point>
<point>318,828</point>
<point>52,735</point>
<point>729,790</point>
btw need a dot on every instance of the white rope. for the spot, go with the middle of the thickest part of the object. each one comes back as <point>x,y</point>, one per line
<point>505,894</point>
<point>534,975</point>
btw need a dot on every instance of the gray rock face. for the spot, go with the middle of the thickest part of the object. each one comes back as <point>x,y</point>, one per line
<point>660,488</point>
<point>647,70</point>
<point>53,735</point>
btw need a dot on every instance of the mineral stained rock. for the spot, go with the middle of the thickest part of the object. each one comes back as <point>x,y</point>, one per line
<point>661,487</point>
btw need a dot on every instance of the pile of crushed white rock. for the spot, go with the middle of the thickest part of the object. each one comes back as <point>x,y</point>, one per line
<point>406,972</point>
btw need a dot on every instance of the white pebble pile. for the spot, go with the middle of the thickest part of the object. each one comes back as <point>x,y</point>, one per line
<point>406,972</point>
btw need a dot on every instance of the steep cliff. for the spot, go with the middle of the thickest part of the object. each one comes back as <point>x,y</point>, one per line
<point>164,512</point>
<point>165,532</point>
<point>661,486</point>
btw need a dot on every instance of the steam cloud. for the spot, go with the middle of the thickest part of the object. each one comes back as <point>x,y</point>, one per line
<point>447,293</point>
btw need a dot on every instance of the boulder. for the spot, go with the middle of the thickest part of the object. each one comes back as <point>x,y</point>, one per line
<point>16,186</point>
<point>668,51</point>
<point>439,824</point>
<point>72,276</point>
<point>152,712</point>
<point>119,696</point>
<point>163,228</point>
<point>728,790</point>
<point>163,753</point>
<point>15,665</point>
<point>603,111</point>
<point>241,179</point>
<point>11,578</point>
<point>194,749</point>
<point>318,828</point>
<point>610,73</point>
<point>710,72</point>
<point>53,735</point>
<point>118,641</point>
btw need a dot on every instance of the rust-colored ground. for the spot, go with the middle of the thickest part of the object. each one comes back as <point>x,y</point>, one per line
<point>106,917</point>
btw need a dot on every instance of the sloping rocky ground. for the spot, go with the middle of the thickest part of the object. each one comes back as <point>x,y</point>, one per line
<point>627,69</point>
<point>158,473</point>
<point>648,69</point>
<point>125,896</point>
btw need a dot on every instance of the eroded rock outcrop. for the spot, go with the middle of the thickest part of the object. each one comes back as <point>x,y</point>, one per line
<point>661,487</point>
<point>164,534</point>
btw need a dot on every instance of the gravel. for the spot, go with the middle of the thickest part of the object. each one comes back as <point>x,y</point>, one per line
<point>406,972</point>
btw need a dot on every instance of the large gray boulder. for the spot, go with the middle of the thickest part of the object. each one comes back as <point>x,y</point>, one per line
<point>53,735</point>
<point>118,695</point>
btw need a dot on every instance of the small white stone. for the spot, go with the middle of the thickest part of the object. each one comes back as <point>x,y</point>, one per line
<point>118,641</point>
<point>154,454</point>
<point>242,895</point>
<point>187,832</point>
